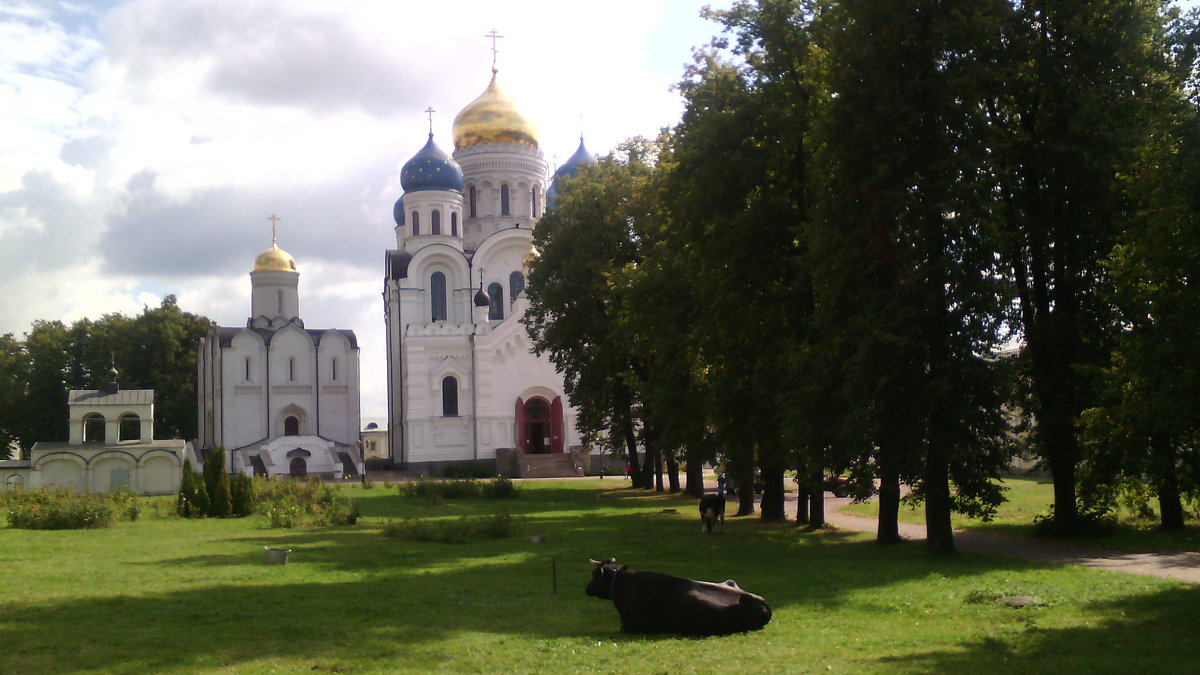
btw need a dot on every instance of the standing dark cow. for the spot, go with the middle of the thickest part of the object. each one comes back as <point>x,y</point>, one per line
<point>712,512</point>
<point>650,602</point>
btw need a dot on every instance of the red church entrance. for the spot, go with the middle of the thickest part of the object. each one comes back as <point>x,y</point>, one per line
<point>539,425</point>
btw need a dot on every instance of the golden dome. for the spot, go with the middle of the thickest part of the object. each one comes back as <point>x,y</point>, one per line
<point>531,256</point>
<point>275,258</point>
<point>492,118</point>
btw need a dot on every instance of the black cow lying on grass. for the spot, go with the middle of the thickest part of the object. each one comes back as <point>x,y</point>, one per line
<point>712,512</point>
<point>650,602</point>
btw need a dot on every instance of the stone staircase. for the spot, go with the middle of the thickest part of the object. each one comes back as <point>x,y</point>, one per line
<point>547,466</point>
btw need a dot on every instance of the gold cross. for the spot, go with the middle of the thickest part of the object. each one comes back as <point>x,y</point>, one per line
<point>274,219</point>
<point>429,111</point>
<point>494,36</point>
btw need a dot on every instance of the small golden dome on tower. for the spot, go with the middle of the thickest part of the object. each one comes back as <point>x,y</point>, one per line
<point>275,258</point>
<point>531,256</point>
<point>492,118</point>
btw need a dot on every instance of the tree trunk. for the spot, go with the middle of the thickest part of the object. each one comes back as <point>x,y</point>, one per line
<point>635,472</point>
<point>939,534</point>
<point>772,500</point>
<point>802,502</point>
<point>888,531</point>
<point>658,471</point>
<point>816,501</point>
<point>672,472</point>
<point>745,482</point>
<point>1170,507</point>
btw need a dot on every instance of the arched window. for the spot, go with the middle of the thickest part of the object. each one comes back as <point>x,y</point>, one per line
<point>516,284</point>
<point>93,428</point>
<point>416,218</point>
<point>454,223</point>
<point>129,427</point>
<point>437,296</point>
<point>435,222</point>
<point>291,426</point>
<point>472,193</point>
<point>504,200</point>
<point>496,309</point>
<point>534,198</point>
<point>449,397</point>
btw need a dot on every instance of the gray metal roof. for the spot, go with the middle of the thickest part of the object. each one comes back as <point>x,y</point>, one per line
<point>121,397</point>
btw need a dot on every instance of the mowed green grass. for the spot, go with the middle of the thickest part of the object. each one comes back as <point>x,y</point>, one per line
<point>170,596</point>
<point>1027,498</point>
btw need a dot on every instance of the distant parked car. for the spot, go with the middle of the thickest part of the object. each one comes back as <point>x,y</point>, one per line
<point>838,485</point>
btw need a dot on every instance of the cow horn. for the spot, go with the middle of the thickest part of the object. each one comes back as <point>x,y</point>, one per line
<point>597,563</point>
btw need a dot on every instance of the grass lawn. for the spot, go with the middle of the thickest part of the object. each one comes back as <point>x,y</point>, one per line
<point>169,596</point>
<point>1029,497</point>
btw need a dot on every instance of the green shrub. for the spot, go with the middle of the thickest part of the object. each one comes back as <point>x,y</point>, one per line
<point>459,531</point>
<point>42,509</point>
<point>434,491</point>
<point>187,504</point>
<point>242,498</point>
<point>367,483</point>
<point>216,482</point>
<point>125,503</point>
<point>291,503</point>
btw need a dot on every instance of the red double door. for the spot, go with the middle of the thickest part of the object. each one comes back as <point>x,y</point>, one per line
<point>540,425</point>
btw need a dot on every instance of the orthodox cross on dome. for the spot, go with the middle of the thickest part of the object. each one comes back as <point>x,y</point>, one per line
<point>494,36</point>
<point>481,277</point>
<point>274,219</point>
<point>429,111</point>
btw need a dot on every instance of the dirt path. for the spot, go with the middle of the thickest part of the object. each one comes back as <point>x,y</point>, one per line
<point>1178,566</point>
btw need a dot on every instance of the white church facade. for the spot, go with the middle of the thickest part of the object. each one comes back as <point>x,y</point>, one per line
<point>282,399</point>
<point>463,383</point>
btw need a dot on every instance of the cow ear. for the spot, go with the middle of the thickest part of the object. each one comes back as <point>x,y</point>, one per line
<point>610,561</point>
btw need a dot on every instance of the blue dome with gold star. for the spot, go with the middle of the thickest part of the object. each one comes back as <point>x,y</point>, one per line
<point>431,169</point>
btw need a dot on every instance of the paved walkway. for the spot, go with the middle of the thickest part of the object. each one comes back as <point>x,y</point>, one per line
<point>1178,566</point>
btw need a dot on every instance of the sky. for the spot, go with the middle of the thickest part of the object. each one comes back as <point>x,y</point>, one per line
<point>144,143</point>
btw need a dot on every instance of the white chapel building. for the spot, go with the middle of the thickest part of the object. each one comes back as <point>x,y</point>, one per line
<point>463,383</point>
<point>282,399</point>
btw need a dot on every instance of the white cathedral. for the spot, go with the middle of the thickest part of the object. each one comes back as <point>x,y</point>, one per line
<point>463,383</point>
<point>282,399</point>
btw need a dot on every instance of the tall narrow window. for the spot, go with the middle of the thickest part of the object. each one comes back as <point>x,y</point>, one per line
<point>279,301</point>
<point>416,218</point>
<point>516,284</point>
<point>534,211</point>
<point>292,369</point>
<point>333,370</point>
<point>437,296</point>
<point>472,192</point>
<point>504,200</point>
<point>449,397</point>
<point>454,223</point>
<point>247,368</point>
<point>435,222</point>
<point>496,309</point>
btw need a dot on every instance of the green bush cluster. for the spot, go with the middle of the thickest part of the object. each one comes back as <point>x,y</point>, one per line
<point>214,492</point>
<point>461,531</point>
<point>472,469</point>
<point>287,503</point>
<point>44,509</point>
<point>434,491</point>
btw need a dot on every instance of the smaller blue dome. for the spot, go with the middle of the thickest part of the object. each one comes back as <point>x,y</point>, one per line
<point>398,212</point>
<point>581,157</point>
<point>568,170</point>
<point>431,169</point>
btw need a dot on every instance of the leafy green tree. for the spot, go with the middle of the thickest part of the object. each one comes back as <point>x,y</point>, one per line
<point>45,407</point>
<point>903,245</point>
<point>14,365</point>
<point>1072,119</point>
<point>585,238</point>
